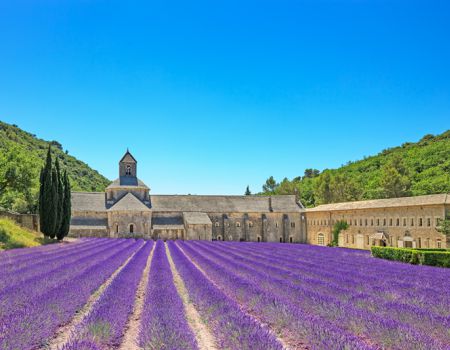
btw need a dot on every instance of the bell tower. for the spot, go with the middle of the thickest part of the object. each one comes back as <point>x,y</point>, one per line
<point>128,166</point>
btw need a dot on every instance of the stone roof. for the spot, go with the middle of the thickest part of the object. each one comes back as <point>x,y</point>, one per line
<point>129,202</point>
<point>88,201</point>
<point>87,227</point>
<point>128,157</point>
<point>127,181</point>
<point>432,199</point>
<point>195,218</point>
<point>167,220</point>
<point>95,201</point>
<point>224,204</point>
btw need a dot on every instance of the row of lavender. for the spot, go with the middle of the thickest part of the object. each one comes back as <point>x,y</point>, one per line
<point>331,298</point>
<point>38,295</point>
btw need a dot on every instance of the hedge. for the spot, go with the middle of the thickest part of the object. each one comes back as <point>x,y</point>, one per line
<point>439,257</point>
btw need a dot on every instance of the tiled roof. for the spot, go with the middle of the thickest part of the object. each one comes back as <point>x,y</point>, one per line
<point>88,201</point>
<point>195,218</point>
<point>432,199</point>
<point>129,202</point>
<point>224,204</point>
<point>127,181</point>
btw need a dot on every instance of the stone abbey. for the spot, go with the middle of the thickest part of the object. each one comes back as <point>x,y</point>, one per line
<point>126,209</point>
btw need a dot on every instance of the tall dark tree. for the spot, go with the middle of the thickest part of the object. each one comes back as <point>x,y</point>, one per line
<point>54,217</point>
<point>66,212</point>
<point>60,197</point>
<point>247,191</point>
<point>47,208</point>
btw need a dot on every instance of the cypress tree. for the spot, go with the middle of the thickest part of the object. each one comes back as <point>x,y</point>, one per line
<point>60,197</point>
<point>46,207</point>
<point>66,212</point>
<point>53,205</point>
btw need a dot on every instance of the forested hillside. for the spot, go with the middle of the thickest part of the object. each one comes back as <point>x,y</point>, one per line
<point>22,156</point>
<point>411,169</point>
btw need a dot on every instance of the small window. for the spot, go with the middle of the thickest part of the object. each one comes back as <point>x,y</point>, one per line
<point>428,222</point>
<point>437,222</point>
<point>439,244</point>
<point>117,228</point>
<point>404,222</point>
<point>276,224</point>
<point>128,170</point>
<point>290,240</point>
<point>238,224</point>
<point>371,222</point>
<point>219,238</point>
<point>320,239</point>
<point>366,222</point>
<point>293,224</point>
<point>390,222</point>
<point>131,228</point>
<point>250,224</point>
<point>281,240</point>
<point>367,240</point>
<point>384,222</point>
<point>420,221</point>
<point>217,224</point>
<point>259,239</point>
<point>346,238</point>
<point>378,222</point>
<point>355,222</point>
<point>353,239</point>
<point>398,222</point>
<point>360,222</point>
<point>412,221</point>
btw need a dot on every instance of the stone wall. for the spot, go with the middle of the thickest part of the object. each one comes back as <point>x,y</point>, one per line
<point>257,227</point>
<point>413,226</point>
<point>29,221</point>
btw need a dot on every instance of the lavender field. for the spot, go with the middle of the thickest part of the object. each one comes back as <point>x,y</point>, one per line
<point>135,294</point>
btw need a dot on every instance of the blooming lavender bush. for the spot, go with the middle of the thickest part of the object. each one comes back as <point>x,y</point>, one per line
<point>37,319</point>
<point>232,328</point>
<point>164,325</point>
<point>104,326</point>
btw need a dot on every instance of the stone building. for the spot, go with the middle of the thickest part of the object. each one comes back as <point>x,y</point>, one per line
<point>126,209</point>
<point>397,222</point>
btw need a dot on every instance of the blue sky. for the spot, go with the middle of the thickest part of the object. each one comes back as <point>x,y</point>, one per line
<point>213,95</point>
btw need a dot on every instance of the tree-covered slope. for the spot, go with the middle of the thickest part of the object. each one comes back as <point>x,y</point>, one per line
<point>22,156</point>
<point>410,169</point>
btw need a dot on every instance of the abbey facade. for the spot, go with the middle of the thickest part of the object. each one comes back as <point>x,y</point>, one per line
<point>126,209</point>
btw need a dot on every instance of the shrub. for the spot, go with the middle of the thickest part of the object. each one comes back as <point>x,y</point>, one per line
<point>431,257</point>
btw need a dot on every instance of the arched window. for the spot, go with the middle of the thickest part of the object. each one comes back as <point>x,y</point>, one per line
<point>320,239</point>
<point>290,240</point>
<point>217,224</point>
<point>219,238</point>
<point>117,228</point>
<point>128,170</point>
<point>131,228</point>
<point>259,239</point>
<point>238,224</point>
<point>281,239</point>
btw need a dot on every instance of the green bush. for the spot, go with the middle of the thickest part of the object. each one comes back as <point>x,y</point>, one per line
<point>431,257</point>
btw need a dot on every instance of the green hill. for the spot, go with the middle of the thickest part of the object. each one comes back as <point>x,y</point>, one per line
<point>21,157</point>
<point>15,236</point>
<point>411,169</point>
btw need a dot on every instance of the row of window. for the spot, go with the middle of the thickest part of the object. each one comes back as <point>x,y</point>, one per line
<point>258,239</point>
<point>392,222</point>
<point>420,243</point>
<point>249,224</point>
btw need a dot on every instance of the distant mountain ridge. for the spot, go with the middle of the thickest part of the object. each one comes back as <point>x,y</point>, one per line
<point>411,169</point>
<point>22,155</point>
